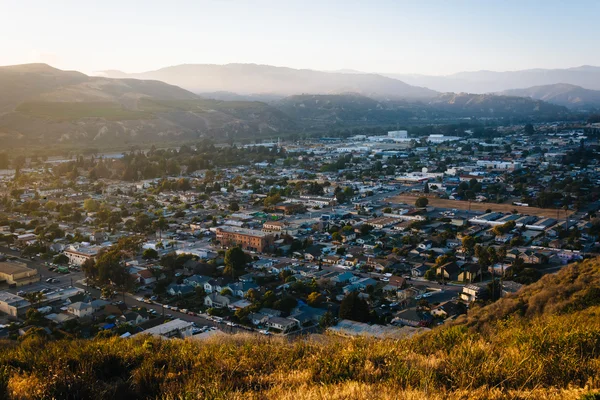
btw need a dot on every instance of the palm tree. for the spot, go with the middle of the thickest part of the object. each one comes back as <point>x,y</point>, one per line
<point>34,297</point>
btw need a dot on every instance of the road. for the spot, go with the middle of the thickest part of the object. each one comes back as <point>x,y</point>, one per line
<point>130,301</point>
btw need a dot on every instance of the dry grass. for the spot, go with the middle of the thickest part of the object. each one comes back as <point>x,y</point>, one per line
<point>464,205</point>
<point>552,352</point>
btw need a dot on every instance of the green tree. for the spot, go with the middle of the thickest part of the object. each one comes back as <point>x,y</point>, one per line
<point>529,130</point>
<point>60,259</point>
<point>235,261</point>
<point>315,299</point>
<point>150,254</point>
<point>327,320</point>
<point>468,244</point>
<point>430,275</point>
<point>422,202</point>
<point>354,308</point>
<point>91,205</point>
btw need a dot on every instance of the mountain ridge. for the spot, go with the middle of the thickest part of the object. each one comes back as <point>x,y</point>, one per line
<point>564,94</point>
<point>257,79</point>
<point>487,81</point>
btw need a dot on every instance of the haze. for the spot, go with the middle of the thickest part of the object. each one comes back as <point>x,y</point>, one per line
<point>439,37</point>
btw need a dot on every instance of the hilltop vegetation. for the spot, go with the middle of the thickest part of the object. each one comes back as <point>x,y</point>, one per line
<point>549,350</point>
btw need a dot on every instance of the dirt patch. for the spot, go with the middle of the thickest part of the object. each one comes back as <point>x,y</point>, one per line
<point>464,205</point>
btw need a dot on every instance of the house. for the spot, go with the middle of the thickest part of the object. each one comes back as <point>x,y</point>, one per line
<point>180,290</point>
<point>471,293</point>
<point>240,289</point>
<point>397,281</point>
<point>449,271</point>
<point>350,262</point>
<point>216,285</point>
<point>412,317</point>
<point>134,318</point>
<point>313,252</point>
<point>80,309</point>
<point>344,277</point>
<point>282,324</point>
<point>215,300</point>
<point>258,318</point>
<point>531,257</point>
<point>470,271</point>
<point>348,236</point>
<point>331,259</point>
<point>448,309</point>
<point>239,304</point>
<point>196,280</point>
<point>270,312</point>
<point>419,270</point>
<point>146,277</point>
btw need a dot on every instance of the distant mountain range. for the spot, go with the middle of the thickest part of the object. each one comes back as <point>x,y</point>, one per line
<point>564,94</point>
<point>41,105</point>
<point>261,80</point>
<point>490,81</point>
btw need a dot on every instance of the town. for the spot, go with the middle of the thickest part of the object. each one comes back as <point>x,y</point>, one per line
<point>381,235</point>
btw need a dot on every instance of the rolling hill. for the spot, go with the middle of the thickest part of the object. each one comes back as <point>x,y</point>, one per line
<point>40,105</point>
<point>261,80</point>
<point>563,94</point>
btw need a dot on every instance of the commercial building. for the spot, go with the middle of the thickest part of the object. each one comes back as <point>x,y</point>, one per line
<point>77,256</point>
<point>442,138</point>
<point>17,273</point>
<point>247,239</point>
<point>398,134</point>
<point>13,305</point>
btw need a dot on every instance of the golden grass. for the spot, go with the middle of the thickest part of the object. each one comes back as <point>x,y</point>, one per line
<point>552,353</point>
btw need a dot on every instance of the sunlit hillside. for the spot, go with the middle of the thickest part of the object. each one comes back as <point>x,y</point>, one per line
<point>548,347</point>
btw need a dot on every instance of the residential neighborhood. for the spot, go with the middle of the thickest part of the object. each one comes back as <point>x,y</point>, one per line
<point>392,231</point>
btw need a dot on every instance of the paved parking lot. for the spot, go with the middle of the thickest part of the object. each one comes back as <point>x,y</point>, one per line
<point>64,280</point>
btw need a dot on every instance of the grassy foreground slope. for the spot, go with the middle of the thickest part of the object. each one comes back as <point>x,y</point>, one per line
<point>547,348</point>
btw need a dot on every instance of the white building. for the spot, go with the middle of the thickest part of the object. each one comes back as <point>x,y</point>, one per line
<point>77,256</point>
<point>398,134</point>
<point>175,328</point>
<point>441,138</point>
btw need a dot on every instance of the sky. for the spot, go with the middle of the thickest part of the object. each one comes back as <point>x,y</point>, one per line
<point>393,36</point>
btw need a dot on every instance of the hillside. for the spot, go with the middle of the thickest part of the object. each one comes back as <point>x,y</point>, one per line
<point>563,94</point>
<point>488,105</point>
<point>252,79</point>
<point>492,81</point>
<point>544,342</point>
<point>40,105</point>
<point>314,111</point>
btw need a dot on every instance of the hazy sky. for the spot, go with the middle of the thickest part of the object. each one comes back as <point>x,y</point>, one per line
<point>420,36</point>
